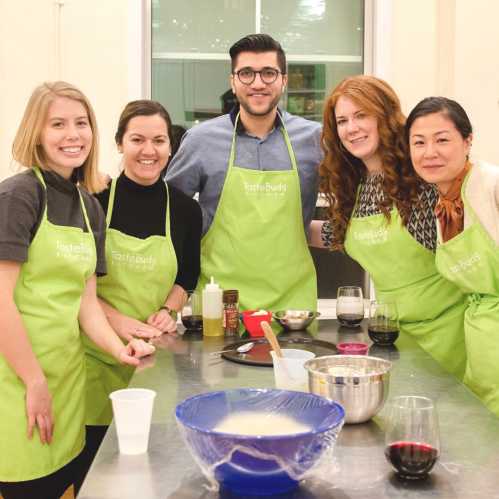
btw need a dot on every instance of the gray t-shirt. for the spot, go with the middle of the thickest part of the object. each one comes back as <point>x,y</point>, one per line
<point>22,201</point>
<point>200,164</point>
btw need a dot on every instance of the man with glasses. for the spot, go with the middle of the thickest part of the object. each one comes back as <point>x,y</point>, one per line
<point>256,173</point>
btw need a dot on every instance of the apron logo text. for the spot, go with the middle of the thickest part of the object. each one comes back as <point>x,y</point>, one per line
<point>371,237</point>
<point>467,264</point>
<point>265,188</point>
<point>74,252</point>
<point>136,262</point>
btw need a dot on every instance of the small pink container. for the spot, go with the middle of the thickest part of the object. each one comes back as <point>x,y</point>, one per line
<point>352,348</point>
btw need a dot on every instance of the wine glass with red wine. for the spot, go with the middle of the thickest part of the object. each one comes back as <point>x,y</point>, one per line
<point>192,315</point>
<point>383,325</point>
<point>412,437</point>
<point>349,306</point>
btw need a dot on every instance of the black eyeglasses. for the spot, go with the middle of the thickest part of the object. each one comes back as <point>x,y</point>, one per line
<point>247,75</point>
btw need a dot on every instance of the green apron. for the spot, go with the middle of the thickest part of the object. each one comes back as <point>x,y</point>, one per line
<point>471,261</point>
<point>257,243</point>
<point>430,308</point>
<point>48,295</point>
<point>140,274</point>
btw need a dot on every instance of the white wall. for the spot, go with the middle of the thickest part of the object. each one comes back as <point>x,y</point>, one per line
<point>84,42</point>
<point>412,51</point>
<point>432,47</point>
<point>476,76</point>
<point>449,47</point>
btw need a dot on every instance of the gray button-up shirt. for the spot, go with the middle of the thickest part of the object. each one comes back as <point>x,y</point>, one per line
<point>201,162</point>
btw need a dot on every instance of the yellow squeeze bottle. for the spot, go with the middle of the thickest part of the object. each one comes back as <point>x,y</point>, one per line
<point>212,309</point>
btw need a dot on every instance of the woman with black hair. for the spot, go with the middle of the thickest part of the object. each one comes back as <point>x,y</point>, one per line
<point>439,134</point>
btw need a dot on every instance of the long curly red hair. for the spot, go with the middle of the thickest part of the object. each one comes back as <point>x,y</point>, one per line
<point>341,172</point>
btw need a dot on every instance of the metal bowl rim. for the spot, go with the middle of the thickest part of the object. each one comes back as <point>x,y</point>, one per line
<point>312,315</point>
<point>388,366</point>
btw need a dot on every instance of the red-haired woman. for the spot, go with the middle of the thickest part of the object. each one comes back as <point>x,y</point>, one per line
<point>381,214</point>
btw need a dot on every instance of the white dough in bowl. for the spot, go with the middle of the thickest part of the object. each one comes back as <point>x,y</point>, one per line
<point>260,423</point>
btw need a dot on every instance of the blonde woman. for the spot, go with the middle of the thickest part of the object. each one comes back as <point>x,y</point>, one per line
<point>51,246</point>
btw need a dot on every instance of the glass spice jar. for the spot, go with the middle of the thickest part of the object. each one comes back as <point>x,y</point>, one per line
<point>231,312</point>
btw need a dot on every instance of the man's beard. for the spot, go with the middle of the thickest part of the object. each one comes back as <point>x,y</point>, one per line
<point>272,105</point>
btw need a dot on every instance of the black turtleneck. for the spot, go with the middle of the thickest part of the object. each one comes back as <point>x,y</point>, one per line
<point>140,211</point>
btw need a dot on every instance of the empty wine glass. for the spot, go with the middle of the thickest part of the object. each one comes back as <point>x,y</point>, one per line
<point>383,325</point>
<point>350,306</point>
<point>412,436</point>
<point>192,314</point>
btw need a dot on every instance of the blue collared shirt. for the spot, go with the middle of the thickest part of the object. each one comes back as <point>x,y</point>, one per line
<point>201,162</point>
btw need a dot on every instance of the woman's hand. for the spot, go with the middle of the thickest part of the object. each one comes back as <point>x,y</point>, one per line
<point>131,353</point>
<point>163,321</point>
<point>39,410</point>
<point>170,342</point>
<point>129,328</point>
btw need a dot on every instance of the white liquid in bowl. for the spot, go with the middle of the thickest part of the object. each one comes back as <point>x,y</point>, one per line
<point>260,423</point>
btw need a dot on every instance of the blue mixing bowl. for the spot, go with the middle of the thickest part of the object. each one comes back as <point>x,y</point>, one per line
<point>258,465</point>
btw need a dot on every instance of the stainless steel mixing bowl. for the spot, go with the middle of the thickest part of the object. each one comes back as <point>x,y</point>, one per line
<point>359,383</point>
<point>295,320</point>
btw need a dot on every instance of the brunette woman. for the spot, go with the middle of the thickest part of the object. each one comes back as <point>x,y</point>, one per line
<point>152,251</point>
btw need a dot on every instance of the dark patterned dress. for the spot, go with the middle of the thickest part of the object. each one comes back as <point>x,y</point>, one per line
<point>421,225</point>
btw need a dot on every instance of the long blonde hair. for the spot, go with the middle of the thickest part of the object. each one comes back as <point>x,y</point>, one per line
<point>26,148</point>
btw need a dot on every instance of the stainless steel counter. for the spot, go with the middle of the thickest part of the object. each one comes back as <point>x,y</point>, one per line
<point>468,466</point>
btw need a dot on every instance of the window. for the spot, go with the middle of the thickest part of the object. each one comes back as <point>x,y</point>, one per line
<point>323,41</point>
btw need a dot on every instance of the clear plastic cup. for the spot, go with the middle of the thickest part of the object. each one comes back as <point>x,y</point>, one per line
<point>289,373</point>
<point>132,409</point>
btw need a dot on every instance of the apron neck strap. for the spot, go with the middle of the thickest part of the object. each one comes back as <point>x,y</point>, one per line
<point>110,205</point>
<point>85,215</point>
<point>284,132</point>
<point>167,219</point>
<point>39,175</point>
<point>291,153</point>
<point>233,145</point>
<point>467,205</point>
<point>356,199</point>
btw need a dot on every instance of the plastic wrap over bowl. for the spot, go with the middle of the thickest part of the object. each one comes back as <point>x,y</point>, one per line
<point>259,464</point>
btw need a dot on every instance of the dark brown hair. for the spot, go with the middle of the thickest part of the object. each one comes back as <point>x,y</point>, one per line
<point>141,108</point>
<point>258,43</point>
<point>341,172</point>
